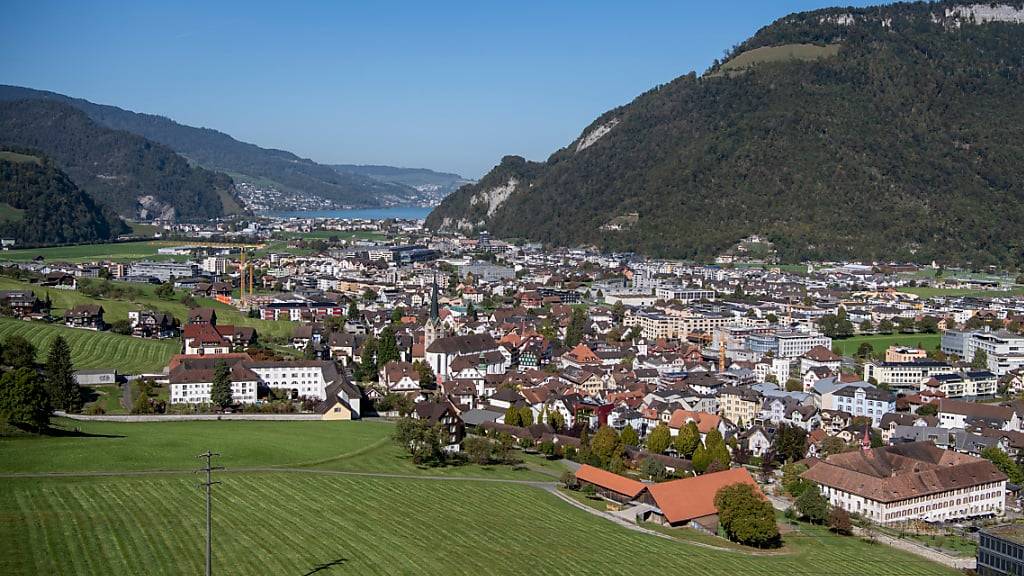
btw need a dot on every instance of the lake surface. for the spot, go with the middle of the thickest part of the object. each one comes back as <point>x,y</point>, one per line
<point>406,212</point>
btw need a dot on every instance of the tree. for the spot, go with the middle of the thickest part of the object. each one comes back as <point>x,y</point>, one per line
<point>23,399</point>
<point>396,315</point>
<point>832,445</point>
<point>369,295</point>
<point>866,326</point>
<point>513,417</point>
<point>790,443</point>
<point>387,347</point>
<point>928,410</point>
<point>353,310</point>
<point>64,392</point>
<point>577,326</point>
<point>606,445</point>
<point>421,440</point>
<point>368,361</point>
<point>18,352</point>
<point>865,350</point>
<point>309,352</point>
<point>526,416</point>
<point>717,451</point>
<point>556,420</point>
<point>477,449</point>
<point>980,360</point>
<point>701,459</point>
<point>1005,464</point>
<point>746,516</point>
<point>905,325</point>
<point>220,389</point>
<point>885,326</point>
<point>794,385</point>
<point>618,311</point>
<point>839,521</point>
<point>659,439</point>
<point>427,378</point>
<point>792,483</point>
<point>653,469</point>
<point>471,313</point>
<point>812,505</point>
<point>687,440</point>
<point>165,291</point>
<point>629,436</point>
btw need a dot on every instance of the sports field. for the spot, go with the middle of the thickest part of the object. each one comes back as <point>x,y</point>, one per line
<point>880,342</point>
<point>309,519</point>
<point>91,349</point>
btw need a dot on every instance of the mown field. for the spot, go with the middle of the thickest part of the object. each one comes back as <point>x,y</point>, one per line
<point>930,292</point>
<point>96,349</point>
<point>119,251</point>
<point>316,520</point>
<point>146,298</point>
<point>880,342</point>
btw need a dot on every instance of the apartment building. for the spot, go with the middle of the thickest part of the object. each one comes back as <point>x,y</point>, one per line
<point>905,376</point>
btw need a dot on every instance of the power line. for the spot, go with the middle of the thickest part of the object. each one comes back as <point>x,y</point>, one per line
<point>208,455</point>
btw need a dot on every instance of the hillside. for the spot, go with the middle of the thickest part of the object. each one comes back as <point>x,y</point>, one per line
<point>893,132</point>
<point>135,177</point>
<point>218,151</point>
<point>430,184</point>
<point>39,204</point>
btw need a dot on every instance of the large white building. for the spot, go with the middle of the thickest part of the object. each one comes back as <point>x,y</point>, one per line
<point>860,399</point>
<point>905,376</point>
<point>192,378</point>
<point>1004,349</point>
<point>912,481</point>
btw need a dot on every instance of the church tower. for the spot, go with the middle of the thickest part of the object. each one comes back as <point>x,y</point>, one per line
<point>432,329</point>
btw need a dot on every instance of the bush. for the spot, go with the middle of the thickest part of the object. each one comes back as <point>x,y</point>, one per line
<point>746,516</point>
<point>568,480</point>
<point>477,449</point>
<point>94,409</point>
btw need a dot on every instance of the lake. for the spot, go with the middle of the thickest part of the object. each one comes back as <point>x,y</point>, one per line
<point>406,212</point>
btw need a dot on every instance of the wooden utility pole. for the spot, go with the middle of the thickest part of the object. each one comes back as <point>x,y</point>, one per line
<point>209,523</point>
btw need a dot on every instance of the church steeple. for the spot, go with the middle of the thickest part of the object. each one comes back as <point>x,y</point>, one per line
<point>433,300</point>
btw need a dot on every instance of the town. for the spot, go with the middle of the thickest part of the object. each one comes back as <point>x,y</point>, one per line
<point>876,398</point>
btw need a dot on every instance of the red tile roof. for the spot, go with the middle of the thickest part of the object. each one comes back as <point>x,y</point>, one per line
<point>610,481</point>
<point>689,498</point>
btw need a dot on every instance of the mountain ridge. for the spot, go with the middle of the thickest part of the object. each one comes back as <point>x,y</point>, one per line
<point>885,149</point>
<point>221,152</point>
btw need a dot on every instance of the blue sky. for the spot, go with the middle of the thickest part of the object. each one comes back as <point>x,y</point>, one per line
<point>444,85</point>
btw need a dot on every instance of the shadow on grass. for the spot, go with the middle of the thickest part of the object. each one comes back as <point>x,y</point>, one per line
<point>76,433</point>
<point>325,566</point>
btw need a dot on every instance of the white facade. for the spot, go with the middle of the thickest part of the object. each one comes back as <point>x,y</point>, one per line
<point>307,381</point>
<point>243,392</point>
<point>981,500</point>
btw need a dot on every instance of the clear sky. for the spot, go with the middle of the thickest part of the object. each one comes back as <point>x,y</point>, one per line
<point>445,85</point>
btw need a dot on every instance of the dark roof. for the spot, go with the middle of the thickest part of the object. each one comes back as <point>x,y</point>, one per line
<point>463,344</point>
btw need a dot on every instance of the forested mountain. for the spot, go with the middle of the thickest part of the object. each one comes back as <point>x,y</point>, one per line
<point>39,204</point>
<point>132,175</point>
<point>892,132</point>
<point>218,151</point>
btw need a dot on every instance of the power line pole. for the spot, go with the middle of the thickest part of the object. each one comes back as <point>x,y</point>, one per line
<point>209,524</point>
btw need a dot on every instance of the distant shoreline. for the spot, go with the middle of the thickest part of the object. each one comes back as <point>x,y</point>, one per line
<point>405,212</point>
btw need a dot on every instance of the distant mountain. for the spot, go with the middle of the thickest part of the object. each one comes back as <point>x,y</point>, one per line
<point>135,177</point>
<point>431,184</point>
<point>891,132</point>
<point>245,162</point>
<point>40,205</point>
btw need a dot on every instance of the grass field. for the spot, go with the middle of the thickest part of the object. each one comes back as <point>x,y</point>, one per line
<point>316,521</point>
<point>880,342</point>
<point>107,396</point>
<point>783,53</point>
<point>339,234</point>
<point>929,292</point>
<point>87,252</point>
<point>96,349</point>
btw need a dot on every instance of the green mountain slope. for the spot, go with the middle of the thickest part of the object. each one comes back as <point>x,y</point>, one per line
<point>218,151</point>
<point>132,175</point>
<point>902,137</point>
<point>49,208</point>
